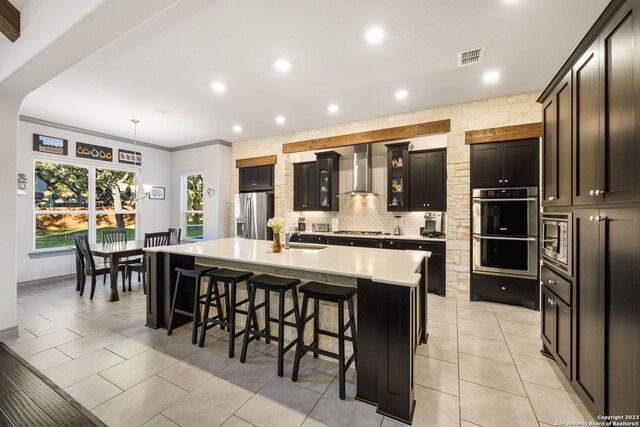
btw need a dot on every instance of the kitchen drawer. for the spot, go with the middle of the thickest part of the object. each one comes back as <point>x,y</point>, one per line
<point>560,286</point>
<point>309,238</point>
<point>347,241</point>
<point>505,289</point>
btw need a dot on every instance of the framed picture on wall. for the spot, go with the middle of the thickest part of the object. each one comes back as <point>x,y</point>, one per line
<point>129,157</point>
<point>157,193</point>
<point>94,152</point>
<point>50,144</point>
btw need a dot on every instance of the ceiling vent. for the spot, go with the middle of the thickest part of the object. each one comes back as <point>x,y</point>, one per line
<point>164,111</point>
<point>471,56</point>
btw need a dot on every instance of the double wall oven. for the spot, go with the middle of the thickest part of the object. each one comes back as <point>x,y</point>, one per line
<point>505,231</point>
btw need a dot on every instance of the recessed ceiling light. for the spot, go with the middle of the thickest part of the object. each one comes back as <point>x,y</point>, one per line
<point>491,76</point>
<point>374,35</point>
<point>333,108</point>
<point>282,65</point>
<point>280,119</point>
<point>401,94</point>
<point>237,128</point>
<point>218,86</point>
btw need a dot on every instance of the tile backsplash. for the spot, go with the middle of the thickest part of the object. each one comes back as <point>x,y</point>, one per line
<point>363,213</point>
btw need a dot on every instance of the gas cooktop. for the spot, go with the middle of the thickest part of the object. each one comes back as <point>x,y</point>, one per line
<point>359,233</point>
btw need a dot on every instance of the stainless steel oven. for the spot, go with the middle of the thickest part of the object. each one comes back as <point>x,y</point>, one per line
<point>505,231</point>
<point>556,240</point>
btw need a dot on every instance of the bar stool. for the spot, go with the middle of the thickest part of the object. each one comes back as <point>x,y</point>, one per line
<point>329,293</point>
<point>196,272</point>
<point>230,279</point>
<point>269,284</point>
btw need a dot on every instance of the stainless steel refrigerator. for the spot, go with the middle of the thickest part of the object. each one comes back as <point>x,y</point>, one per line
<point>252,211</point>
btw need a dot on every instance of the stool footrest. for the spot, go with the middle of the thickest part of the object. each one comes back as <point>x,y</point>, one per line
<point>308,349</point>
<point>185,312</point>
<point>333,334</point>
<point>350,361</point>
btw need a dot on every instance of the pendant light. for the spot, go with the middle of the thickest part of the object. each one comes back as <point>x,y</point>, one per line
<point>146,188</point>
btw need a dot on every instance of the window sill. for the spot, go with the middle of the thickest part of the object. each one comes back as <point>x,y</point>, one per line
<point>47,253</point>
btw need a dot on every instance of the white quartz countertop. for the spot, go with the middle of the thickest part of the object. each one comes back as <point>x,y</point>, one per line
<point>416,237</point>
<point>379,265</point>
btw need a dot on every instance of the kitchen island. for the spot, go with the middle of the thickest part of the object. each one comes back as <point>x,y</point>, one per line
<point>391,301</point>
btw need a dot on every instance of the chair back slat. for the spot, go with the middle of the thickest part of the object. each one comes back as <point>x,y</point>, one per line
<point>82,245</point>
<point>156,239</point>
<point>114,236</point>
<point>174,236</point>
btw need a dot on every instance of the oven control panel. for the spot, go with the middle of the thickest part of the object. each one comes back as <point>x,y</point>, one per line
<point>504,193</point>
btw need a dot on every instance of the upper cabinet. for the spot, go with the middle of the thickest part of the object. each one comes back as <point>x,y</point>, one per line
<point>557,145</point>
<point>428,178</point>
<point>397,177</point>
<point>257,178</point>
<point>505,164</point>
<point>328,180</point>
<point>305,188</point>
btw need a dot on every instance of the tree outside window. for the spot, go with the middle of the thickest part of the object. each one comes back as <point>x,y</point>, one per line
<point>193,213</point>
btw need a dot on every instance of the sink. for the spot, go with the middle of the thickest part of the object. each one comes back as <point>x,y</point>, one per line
<point>306,246</point>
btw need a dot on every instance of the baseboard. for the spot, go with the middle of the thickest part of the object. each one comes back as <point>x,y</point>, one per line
<point>46,280</point>
<point>9,333</point>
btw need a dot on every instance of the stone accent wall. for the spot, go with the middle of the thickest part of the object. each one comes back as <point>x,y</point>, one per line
<point>495,112</point>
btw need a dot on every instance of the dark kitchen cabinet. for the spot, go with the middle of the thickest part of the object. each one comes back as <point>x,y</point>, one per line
<point>257,178</point>
<point>350,241</point>
<point>309,238</point>
<point>397,177</point>
<point>556,324</point>
<point>328,180</point>
<point>505,164</point>
<point>436,267</point>
<point>428,180</point>
<point>556,146</point>
<point>505,289</point>
<point>305,188</point>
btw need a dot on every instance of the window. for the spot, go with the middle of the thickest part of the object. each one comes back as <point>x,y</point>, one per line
<point>73,199</point>
<point>192,205</point>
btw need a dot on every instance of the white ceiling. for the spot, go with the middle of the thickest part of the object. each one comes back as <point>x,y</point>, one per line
<point>171,60</point>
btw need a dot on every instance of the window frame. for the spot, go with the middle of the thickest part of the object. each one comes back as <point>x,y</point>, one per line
<point>183,202</point>
<point>91,210</point>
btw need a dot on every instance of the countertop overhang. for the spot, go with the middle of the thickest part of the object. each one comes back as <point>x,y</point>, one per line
<point>379,265</point>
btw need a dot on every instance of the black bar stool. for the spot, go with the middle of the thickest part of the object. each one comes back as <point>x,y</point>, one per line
<point>330,293</point>
<point>269,284</point>
<point>196,272</point>
<point>230,279</point>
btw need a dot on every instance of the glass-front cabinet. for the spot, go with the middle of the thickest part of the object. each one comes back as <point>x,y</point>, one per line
<point>397,174</point>
<point>327,167</point>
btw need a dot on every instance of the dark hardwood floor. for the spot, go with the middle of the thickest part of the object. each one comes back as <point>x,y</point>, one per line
<point>27,398</point>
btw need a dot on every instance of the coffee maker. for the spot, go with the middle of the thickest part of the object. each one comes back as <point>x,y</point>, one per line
<point>433,226</point>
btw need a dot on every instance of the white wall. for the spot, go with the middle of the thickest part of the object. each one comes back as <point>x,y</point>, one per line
<point>154,215</point>
<point>213,161</point>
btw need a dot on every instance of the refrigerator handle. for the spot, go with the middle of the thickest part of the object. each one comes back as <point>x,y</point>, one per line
<point>249,234</point>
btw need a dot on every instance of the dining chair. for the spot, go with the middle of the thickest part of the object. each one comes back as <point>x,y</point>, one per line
<point>150,240</point>
<point>89,266</point>
<point>117,236</point>
<point>174,236</point>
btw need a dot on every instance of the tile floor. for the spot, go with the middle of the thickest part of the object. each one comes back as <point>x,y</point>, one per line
<point>481,367</point>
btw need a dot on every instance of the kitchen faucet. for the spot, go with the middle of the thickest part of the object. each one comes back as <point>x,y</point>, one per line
<point>287,235</point>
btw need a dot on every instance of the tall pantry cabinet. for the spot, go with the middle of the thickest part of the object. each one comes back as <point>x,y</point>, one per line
<point>591,169</point>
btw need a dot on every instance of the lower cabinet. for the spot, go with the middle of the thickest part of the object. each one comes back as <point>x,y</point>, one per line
<point>505,289</point>
<point>436,267</point>
<point>556,327</point>
<point>348,241</point>
<point>308,238</point>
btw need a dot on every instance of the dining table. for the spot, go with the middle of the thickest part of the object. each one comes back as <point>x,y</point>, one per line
<point>114,252</point>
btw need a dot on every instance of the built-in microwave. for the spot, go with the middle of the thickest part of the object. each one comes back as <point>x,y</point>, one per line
<point>556,240</point>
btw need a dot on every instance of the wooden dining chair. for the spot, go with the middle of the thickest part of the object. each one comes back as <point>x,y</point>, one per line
<point>89,265</point>
<point>174,236</point>
<point>150,240</point>
<point>118,236</point>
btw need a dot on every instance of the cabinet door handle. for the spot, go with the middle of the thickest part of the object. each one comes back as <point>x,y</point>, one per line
<point>428,204</point>
<point>420,247</point>
<point>503,288</point>
<point>599,192</point>
<point>506,180</point>
<point>389,204</point>
<point>499,180</point>
<point>602,218</point>
<point>553,282</point>
<point>592,193</point>
<point>552,198</point>
<point>424,204</point>
<point>592,218</point>
<point>351,243</point>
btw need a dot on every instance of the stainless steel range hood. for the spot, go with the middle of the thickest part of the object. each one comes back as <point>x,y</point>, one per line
<point>361,170</point>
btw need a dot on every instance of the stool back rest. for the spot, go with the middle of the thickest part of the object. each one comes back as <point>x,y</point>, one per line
<point>82,245</point>
<point>156,239</point>
<point>114,236</point>
<point>174,236</point>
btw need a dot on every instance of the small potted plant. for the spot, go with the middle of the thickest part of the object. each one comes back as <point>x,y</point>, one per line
<point>276,225</point>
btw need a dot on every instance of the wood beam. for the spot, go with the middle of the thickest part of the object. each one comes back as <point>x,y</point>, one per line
<point>9,20</point>
<point>506,133</point>
<point>380,135</point>
<point>257,161</point>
